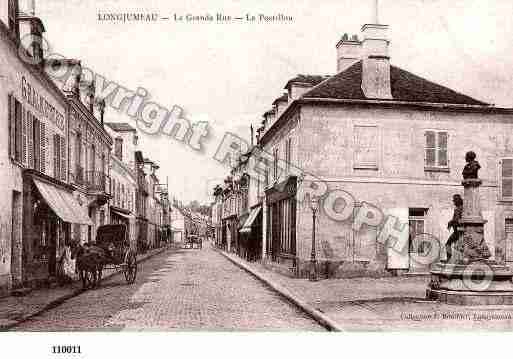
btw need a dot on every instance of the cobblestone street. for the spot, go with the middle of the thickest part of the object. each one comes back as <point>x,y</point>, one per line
<point>177,290</point>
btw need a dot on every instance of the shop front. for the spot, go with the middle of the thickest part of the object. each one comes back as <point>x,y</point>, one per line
<point>251,234</point>
<point>281,222</point>
<point>49,211</point>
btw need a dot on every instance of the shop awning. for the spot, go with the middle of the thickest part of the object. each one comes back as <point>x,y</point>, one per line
<point>251,219</point>
<point>121,214</point>
<point>65,206</point>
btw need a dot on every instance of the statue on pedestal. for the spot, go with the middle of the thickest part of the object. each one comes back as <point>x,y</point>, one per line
<point>453,223</point>
<point>471,245</point>
<point>469,277</point>
<point>472,167</point>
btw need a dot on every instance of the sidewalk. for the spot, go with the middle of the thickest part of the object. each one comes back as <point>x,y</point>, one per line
<point>14,310</point>
<point>380,304</point>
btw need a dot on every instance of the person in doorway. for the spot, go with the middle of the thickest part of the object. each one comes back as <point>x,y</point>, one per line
<point>453,223</point>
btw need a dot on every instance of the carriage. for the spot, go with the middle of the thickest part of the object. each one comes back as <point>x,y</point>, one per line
<point>111,251</point>
<point>193,241</point>
<point>113,239</point>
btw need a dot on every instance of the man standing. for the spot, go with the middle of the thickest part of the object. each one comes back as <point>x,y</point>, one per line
<point>453,223</point>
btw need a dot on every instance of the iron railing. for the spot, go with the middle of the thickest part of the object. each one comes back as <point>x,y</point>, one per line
<point>94,181</point>
<point>78,176</point>
<point>97,181</point>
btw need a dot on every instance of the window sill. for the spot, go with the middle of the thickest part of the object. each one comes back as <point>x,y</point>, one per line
<point>505,200</point>
<point>436,169</point>
<point>366,167</point>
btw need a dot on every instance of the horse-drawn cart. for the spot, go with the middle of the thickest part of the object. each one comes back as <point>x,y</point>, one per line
<point>111,251</point>
<point>193,241</point>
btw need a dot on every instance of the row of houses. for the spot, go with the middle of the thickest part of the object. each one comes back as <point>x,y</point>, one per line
<point>64,171</point>
<point>187,222</point>
<point>334,148</point>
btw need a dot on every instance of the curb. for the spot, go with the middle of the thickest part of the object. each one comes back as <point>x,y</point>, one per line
<point>315,314</point>
<point>58,301</point>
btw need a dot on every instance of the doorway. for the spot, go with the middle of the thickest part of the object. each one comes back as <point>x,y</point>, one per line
<point>16,228</point>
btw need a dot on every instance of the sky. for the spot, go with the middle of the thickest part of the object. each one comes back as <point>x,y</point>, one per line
<point>229,74</point>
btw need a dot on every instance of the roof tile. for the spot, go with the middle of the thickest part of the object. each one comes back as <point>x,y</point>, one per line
<point>405,87</point>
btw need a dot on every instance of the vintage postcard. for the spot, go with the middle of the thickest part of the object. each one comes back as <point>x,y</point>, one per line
<point>310,166</point>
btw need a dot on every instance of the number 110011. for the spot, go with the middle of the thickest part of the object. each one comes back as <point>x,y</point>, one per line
<point>66,349</point>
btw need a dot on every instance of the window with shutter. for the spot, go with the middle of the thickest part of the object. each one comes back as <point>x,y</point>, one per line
<point>44,146</point>
<point>119,148</point>
<point>30,138</point>
<point>12,126</point>
<point>36,138</point>
<point>18,155</point>
<point>56,156</point>
<point>436,155</point>
<point>288,153</point>
<point>506,179</point>
<point>366,150</point>
<point>275,163</point>
<point>24,131</point>
<point>63,163</point>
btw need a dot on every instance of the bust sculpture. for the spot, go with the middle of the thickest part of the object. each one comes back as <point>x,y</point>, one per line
<point>472,167</point>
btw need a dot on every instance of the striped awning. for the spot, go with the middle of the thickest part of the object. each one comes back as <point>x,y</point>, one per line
<point>65,206</point>
<point>249,222</point>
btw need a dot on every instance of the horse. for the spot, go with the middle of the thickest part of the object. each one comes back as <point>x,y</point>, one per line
<point>90,260</point>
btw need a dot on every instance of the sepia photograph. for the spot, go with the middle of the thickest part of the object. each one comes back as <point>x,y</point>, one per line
<point>273,167</point>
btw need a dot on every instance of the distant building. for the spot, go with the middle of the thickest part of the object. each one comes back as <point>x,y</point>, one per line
<point>177,223</point>
<point>123,178</point>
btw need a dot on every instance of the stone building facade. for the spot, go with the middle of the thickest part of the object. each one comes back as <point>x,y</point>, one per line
<point>123,179</point>
<point>376,141</point>
<point>89,151</point>
<point>38,209</point>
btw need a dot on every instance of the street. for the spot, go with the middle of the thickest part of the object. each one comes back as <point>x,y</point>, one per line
<point>177,290</point>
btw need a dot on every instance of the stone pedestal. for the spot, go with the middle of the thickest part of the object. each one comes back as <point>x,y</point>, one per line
<point>470,278</point>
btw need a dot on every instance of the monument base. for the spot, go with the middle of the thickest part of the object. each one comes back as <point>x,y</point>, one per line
<point>478,283</point>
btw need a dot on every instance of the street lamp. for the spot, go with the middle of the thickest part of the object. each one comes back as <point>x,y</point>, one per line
<point>314,206</point>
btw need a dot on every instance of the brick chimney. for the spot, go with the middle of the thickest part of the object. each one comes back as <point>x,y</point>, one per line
<point>376,62</point>
<point>349,51</point>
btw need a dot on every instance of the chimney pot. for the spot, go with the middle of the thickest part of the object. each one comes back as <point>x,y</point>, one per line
<point>348,52</point>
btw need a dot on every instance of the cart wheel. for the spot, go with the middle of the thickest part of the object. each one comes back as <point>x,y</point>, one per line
<point>130,268</point>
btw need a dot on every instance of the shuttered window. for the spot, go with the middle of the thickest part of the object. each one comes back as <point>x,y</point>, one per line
<point>44,146</point>
<point>436,149</point>
<point>288,153</point>
<point>16,126</point>
<point>275,164</point>
<point>118,148</point>
<point>30,140</point>
<point>24,140</point>
<point>57,156</point>
<point>366,147</point>
<point>506,179</point>
<point>36,140</point>
<point>63,163</point>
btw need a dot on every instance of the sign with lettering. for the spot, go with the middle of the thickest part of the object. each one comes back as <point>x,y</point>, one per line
<point>41,105</point>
